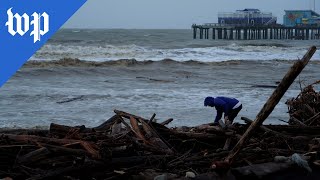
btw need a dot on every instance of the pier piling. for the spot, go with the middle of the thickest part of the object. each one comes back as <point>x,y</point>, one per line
<point>230,32</point>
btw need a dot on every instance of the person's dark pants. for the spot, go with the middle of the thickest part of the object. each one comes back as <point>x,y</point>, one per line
<point>234,112</point>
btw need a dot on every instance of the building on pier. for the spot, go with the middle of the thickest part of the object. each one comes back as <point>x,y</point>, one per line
<point>247,17</point>
<point>251,24</point>
<point>301,18</point>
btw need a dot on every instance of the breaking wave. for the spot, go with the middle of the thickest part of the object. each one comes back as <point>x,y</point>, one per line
<point>74,62</point>
<point>107,52</point>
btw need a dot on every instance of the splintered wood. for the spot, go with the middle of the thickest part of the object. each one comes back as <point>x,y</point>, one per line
<point>304,110</point>
<point>133,145</point>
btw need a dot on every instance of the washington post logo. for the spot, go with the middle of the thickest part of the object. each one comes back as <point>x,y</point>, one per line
<point>39,24</point>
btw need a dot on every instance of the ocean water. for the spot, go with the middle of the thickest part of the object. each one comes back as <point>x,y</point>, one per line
<point>81,75</point>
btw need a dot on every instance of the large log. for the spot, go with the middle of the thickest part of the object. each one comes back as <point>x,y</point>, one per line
<point>30,139</point>
<point>274,99</point>
<point>296,130</point>
<point>249,121</point>
<point>38,132</point>
<point>34,156</point>
<point>64,150</point>
<point>199,136</point>
<point>61,130</point>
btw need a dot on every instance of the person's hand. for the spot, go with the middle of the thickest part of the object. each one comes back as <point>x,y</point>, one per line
<point>226,120</point>
<point>223,126</point>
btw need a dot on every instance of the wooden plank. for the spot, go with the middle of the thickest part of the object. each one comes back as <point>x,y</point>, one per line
<point>152,118</point>
<point>135,128</point>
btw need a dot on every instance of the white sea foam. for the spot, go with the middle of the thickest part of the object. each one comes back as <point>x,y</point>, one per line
<point>205,54</point>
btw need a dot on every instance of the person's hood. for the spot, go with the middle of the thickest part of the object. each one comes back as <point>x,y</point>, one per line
<point>209,101</point>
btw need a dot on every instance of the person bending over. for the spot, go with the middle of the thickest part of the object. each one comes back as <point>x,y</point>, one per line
<point>229,106</point>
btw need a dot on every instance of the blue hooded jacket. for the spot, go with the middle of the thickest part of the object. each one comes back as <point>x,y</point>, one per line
<point>222,105</point>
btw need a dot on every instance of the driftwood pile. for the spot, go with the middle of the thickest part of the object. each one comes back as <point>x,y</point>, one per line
<point>127,146</point>
<point>304,110</point>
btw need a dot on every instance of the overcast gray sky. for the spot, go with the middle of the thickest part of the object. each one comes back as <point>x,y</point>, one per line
<point>168,14</point>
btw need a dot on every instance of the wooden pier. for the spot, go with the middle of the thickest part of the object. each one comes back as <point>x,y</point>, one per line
<point>236,32</point>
